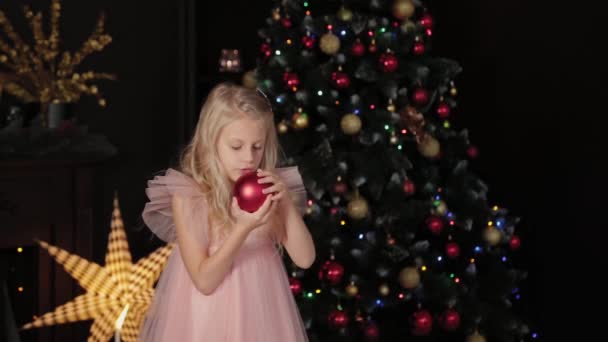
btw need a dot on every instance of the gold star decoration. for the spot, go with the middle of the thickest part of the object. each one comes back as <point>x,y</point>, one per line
<point>119,286</point>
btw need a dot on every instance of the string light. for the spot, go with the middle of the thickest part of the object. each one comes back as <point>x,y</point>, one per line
<point>317,291</point>
<point>278,52</point>
<point>19,249</point>
<point>20,289</point>
<point>342,222</point>
<point>423,268</point>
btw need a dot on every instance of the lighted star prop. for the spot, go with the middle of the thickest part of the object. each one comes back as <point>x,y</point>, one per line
<point>118,288</point>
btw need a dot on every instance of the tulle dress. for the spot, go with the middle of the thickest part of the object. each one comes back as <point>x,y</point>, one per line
<point>253,303</point>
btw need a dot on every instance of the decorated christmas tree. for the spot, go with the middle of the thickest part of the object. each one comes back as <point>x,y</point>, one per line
<point>409,246</point>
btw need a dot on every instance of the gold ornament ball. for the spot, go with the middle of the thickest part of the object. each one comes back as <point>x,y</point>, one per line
<point>384,290</point>
<point>391,107</point>
<point>345,14</point>
<point>300,120</point>
<point>492,236</point>
<point>409,278</point>
<point>329,43</point>
<point>282,127</point>
<point>429,147</point>
<point>249,80</point>
<point>442,208</point>
<point>453,91</point>
<point>403,9</point>
<point>350,124</point>
<point>357,208</point>
<point>475,337</point>
<point>352,290</point>
<point>276,14</point>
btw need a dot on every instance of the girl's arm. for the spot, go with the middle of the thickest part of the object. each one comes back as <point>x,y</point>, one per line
<point>206,272</point>
<point>297,239</point>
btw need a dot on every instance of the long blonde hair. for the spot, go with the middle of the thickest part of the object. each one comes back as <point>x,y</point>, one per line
<point>225,103</point>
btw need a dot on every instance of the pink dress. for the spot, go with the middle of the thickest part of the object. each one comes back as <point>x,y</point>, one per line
<point>253,303</point>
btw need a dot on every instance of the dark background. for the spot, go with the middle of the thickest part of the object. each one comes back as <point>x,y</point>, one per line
<point>532,95</point>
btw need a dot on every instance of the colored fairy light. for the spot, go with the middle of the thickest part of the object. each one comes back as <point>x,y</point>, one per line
<point>320,92</point>
<point>477,249</point>
<point>342,222</point>
<point>360,236</point>
<point>386,127</point>
<point>343,32</point>
<point>504,259</point>
<point>19,249</point>
<point>278,52</point>
<point>439,258</point>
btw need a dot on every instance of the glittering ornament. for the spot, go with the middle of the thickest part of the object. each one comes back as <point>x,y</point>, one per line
<point>357,208</point>
<point>352,290</point>
<point>388,62</point>
<point>350,124</point>
<point>452,250</point>
<point>421,322</point>
<point>420,96</point>
<point>472,152</point>
<point>249,80</point>
<point>371,330</point>
<point>429,147</point>
<point>435,224</point>
<point>475,337</point>
<point>248,192</point>
<point>345,14</point>
<point>308,41</point>
<point>331,271</point>
<point>384,290</point>
<point>409,187</point>
<point>358,48</point>
<point>492,236</point>
<point>419,48</point>
<point>449,320</point>
<point>295,285</point>
<point>443,110</point>
<point>403,9</point>
<point>282,127</point>
<point>409,277</point>
<point>291,79</point>
<point>286,22</point>
<point>426,21</point>
<point>340,79</point>
<point>337,319</point>
<point>330,43</point>
<point>515,242</point>
<point>300,120</point>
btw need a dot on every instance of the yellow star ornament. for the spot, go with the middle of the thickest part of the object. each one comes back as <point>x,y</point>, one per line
<point>111,290</point>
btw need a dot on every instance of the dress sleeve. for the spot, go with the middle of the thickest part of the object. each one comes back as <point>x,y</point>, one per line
<point>293,179</point>
<point>158,213</point>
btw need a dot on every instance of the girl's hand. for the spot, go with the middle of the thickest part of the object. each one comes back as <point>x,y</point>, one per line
<point>250,221</point>
<point>278,189</point>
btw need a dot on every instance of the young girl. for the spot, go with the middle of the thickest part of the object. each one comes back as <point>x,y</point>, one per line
<point>225,280</point>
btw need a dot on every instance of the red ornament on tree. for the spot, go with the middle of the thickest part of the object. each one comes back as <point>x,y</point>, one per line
<point>450,320</point>
<point>291,79</point>
<point>420,96</point>
<point>515,242</point>
<point>371,330</point>
<point>452,250</point>
<point>309,42</point>
<point>295,285</point>
<point>248,192</point>
<point>422,323</point>
<point>337,319</point>
<point>435,224</point>
<point>426,21</point>
<point>286,22</point>
<point>340,187</point>
<point>443,110</point>
<point>332,272</point>
<point>409,187</point>
<point>472,152</point>
<point>358,49</point>
<point>340,79</point>
<point>265,50</point>
<point>388,62</point>
<point>419,48</point>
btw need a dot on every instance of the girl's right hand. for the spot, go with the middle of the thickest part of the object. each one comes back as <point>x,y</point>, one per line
<point>250,221</point>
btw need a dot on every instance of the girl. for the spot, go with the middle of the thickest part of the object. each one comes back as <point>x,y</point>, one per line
<point>225,280</point>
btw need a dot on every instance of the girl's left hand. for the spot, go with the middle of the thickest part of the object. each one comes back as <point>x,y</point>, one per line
<point>278,187</point>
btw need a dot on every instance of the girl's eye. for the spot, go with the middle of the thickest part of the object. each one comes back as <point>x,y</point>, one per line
<point>236,148</point>
<point>257,147</point>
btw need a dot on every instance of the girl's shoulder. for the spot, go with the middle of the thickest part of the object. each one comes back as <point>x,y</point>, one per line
<point>174,182</point>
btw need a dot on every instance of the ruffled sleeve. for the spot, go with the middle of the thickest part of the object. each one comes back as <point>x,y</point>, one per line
<point>158,213</point>
<point>293,179</point>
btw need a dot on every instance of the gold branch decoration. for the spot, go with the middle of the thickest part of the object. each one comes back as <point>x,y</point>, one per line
<point>43,72</point>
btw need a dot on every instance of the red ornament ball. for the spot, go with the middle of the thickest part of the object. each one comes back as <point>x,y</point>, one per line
<point>472,152</point>
<point>452,250</point>
<point>450,320</point>
<point>426,21</point>
<point>371,330</point>
<point>443,110</point>
<point>248,192</point>
<point>358,49</point>
<point>420,96</point>
<point>515,242</point>
<point>337,319</point>
<point>340,188</point>
<point>409,187</point>
<point>286,22</point>
<point>421,322</point>
<point>419,48</point>
<point>340,79</point>
<point>295,285</point>
<point>388,62</point>
<point>291,80</point>
<point>265,50</point>
<point>435,224</point>
<point>309,42</point>
<point>332,272</point>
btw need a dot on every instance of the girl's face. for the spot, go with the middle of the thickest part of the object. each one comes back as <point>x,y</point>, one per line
<point>241,146</point>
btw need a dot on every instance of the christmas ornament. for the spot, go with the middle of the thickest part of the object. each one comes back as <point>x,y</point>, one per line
<point>435,224</point>
<point>350,124</point>
<point>419,48</point>
<point>414,121</point>
<point>426,21</point>
<point>330,43</point>
<point>443,110</point>
<point>300,119</point>
<point>452,250</point>
<point>449,320</point>
<point>249,80</point>
<point>291,79</point>
<point>308,41</point>
<point>340,187</point>
<point>357,209</point>
<point>337,319</point>
<point>340,79</point>
<point>515,242</point>
<point>372,46</point>
<point>391,106</point>
<point>276,14</point>
<point>409,277</point>
<point>429,147</point>
<point>441,208</point>
<point>453,91</point>
<point>295,285</point>
<point>345,14</point>
<point>331,271</point>
<point>388,62</point>
<point>282,127</point>
<point>352,290</point>
<point>492,236</point>
<point>409,187</point>
<point>266,50</point>
<point>286,22</point>
<point>384,290</point>
<point>371,330</point>
<point>472,152</point>
<point>248,192</point>
<point>357,49</point>
<point>110,290</point>
<point>408,26</point>
<point>420,97</point>
<point>421,322</point>
<point>403,9</point>
<point>475,337</point>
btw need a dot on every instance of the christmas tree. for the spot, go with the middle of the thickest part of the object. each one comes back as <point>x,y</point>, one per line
<point>409,247</point>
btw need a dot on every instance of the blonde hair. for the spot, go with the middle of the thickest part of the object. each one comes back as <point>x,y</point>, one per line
<point>225,103</point>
